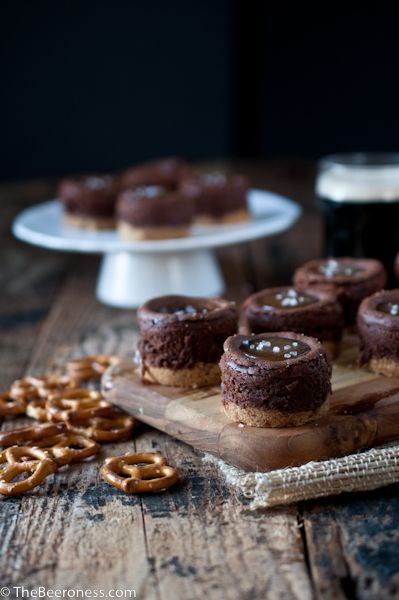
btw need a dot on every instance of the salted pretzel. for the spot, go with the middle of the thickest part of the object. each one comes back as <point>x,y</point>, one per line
<point>36,409</point>
<point>129,475</point>
<point>68,447</point>
<point>116,428</point>
<point>18,460</point>
<point>10,406</point>
<point>41,386</point>
<point>77,405</point>
<point>89,367</point>
<point>30,433</point>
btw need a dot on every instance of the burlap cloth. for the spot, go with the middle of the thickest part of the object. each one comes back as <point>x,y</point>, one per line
<point>366,470</point>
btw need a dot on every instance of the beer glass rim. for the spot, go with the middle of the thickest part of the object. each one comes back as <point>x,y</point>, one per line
<point>354,160</point>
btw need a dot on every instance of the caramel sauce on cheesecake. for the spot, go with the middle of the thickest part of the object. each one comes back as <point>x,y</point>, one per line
<point>274,348</point>
<point>187,309</point>
<point>389,308</point>
<point>287,300</point>
<point>334,268</point>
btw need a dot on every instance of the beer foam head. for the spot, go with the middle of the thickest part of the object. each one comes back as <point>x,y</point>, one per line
<point>359,178</point>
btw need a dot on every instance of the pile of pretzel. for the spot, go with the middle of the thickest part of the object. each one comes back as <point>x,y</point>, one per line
<point>75,420</point>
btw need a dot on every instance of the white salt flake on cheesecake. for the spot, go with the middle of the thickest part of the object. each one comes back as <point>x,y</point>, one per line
<point>262,344</point>
<point>289,302</point>
<point>394,310</point>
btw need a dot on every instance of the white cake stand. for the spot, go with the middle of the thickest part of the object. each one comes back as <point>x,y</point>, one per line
<point>132,272</point>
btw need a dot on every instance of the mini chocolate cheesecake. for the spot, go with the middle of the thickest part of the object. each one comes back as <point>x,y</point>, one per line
<point>89,201</point>
<point>316,313</point>
<point>378,326</point>
<point>279,379</point>
<point>351,279</point>
<point>153,212</point>
<point>165,172</point>
<point>182,339</point>
<point>218,198</point>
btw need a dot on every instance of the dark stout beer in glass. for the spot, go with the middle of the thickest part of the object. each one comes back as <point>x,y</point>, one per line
<point>358,195</point>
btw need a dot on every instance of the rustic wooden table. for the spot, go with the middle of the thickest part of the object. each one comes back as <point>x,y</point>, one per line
<point>200,540</point>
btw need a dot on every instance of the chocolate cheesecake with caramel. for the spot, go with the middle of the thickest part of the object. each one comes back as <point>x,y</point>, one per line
<point>219,199</point>
<point>351,279</point>
<point>378,326</point>
<point>182,339</point>
<point>89,201</point>
<point>153,212</point>
<point>279,379</point>
<point>316,313</point>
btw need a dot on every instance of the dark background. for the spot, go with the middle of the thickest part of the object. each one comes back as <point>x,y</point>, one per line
<point>97,85</point>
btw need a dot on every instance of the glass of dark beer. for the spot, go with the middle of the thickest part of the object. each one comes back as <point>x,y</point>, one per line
<point>358,195</point>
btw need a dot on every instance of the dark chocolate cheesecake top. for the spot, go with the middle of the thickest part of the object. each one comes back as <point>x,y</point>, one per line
<point>312,311</point>
<point>180,331</point>
<point>382,308</point>
<point>280,371</point>
<point>168,310</point>
<point>94,194</point>
<point>214,181</point>
<point>341,271</point>
<point>216,193</point>
<point>275,348</point>
<point>165,171</point>
<point>270,351</point>
<point>286,299</point>
<point>154,205</point>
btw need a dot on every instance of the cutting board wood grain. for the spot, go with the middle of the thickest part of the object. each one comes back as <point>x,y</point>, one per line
<point>364,412</point>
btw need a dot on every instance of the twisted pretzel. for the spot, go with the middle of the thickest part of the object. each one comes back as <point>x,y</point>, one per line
<point>10,406</point>
<point>40,386</point>
<point>127,474</point>
<point>35,390</point>
<point>30,433</point>
<point>113,429</point>
<point>36,409</point>
<point>39,465</point>
<point>89,367</point>
<point>77,405</point>
<point>68,447</point>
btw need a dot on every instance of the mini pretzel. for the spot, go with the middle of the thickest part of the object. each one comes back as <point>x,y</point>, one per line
<point>89,367</point>
<point>36,409</point>
<point>68,447</point>
<point>40,386</point>
<point>77,405</point>
<point>39,467</point>
<point>114,429</point>
<point>125,473</point>
<point>30,433</point>
<point>11,406</point>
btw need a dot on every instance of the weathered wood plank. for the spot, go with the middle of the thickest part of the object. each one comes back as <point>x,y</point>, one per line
<point>29,280</point>
<point>353,545</point>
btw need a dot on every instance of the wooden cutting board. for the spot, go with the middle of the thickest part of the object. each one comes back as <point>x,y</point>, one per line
<point>364,412</point>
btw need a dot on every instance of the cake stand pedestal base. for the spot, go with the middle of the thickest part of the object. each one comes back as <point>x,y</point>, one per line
<point>127,279</point>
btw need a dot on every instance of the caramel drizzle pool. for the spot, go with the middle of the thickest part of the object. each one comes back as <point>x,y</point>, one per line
<point>389,308</point>
<point>332,268</point>
<point>274,348</point>
<point>187,309</point>
<point>286,300</point>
